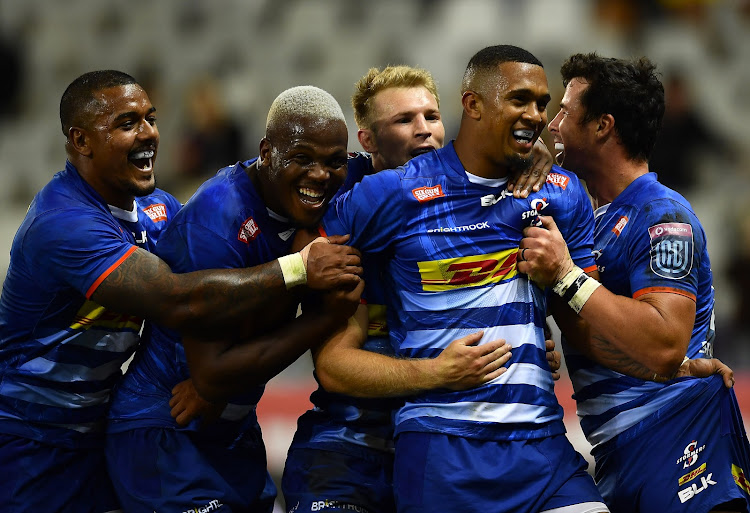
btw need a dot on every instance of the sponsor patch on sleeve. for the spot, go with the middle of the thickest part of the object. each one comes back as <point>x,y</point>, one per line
<point>423,194</point>
<point>249,231</point>
<point>617,230</point>
<point>671,249</point>
<point>157,212</point>
<point>558,179</point>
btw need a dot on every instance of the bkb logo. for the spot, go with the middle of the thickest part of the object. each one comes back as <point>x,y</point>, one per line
<point>671,249</point>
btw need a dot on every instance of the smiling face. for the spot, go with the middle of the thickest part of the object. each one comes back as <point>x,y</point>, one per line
<point>406,122</point>
<point>571,134</point>
<point>303,164</point>
<point>121,142</point>
<point>514,113</point>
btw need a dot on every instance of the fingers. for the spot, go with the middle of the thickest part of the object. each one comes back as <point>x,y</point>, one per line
<point>471,339</point>
<point>338,239</point>
<point>549,344</point>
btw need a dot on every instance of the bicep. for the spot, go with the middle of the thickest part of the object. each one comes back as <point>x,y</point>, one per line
<point>140,285</point>
<point>352,336</point>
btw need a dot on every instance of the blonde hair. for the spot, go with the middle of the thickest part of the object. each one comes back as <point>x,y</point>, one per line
<point>303,101</point>
<point>376,80</point>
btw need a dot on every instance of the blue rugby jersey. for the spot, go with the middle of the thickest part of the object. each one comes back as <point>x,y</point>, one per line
<point>60,352</point>
<point>340,422</point>
<point>647,240</point>
<point>225,225</point>
<point>453,241</point>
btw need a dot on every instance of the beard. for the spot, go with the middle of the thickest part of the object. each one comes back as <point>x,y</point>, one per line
<point>139,191</point>
<point>518,164</point>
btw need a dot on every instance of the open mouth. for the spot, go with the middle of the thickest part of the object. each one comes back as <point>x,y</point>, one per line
<point>523,136</point>
<point>421,150</point>
<point>312,197</point>
<point>143,159</point>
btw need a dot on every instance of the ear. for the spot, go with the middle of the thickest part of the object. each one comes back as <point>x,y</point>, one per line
<point>472,104</point>
<point>366,139</point>
<point>264,154</point>
<point>606,126</point>
<point>78,140</point>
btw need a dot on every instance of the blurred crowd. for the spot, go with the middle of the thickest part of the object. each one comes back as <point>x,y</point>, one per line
<point>211,68</point>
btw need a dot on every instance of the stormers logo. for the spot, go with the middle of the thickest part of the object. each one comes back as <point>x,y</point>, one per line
<point>157,212</point>
<point>690,454</point>
<point>248,231</point>
<point>473,271</point>
<point>671,249</point>
<point>428,193</point>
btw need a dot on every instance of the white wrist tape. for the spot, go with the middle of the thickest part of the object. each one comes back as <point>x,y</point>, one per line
<point>576,288</point>
<point>293,269</point>
<point>561,287</point>
<point>583,293</point>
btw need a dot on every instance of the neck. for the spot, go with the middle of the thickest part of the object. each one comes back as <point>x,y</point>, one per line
<point>474,160</point>
<point>616,177</point>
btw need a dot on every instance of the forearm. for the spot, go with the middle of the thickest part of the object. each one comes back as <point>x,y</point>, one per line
<point>627,335</point>
<point>222,370</point>
<point>361,373</point>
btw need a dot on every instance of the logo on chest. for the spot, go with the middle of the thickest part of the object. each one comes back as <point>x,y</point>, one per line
<point>156,212</point>
<point>472,271</point>
<point>249,231</point>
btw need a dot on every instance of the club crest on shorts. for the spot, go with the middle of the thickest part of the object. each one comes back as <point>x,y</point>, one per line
<point>671,249</point>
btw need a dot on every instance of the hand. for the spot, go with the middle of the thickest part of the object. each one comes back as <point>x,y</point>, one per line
<point>187,405</point>
<point>532,178</point>
<point>704,367</point>
<point>340,304</point>
<point>554,359</point>
<point>464,365</point>
<point>330,264</point>
<point>543,254</point>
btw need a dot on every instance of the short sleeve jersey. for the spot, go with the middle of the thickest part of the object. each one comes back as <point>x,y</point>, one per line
<point>225,225</point>
<point>452,241</point>
<point>340,422</point>
<point>61,352</point>
<point>647,240</point>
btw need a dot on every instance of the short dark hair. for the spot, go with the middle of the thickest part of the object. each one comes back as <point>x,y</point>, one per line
<point>630,90</point>
<point>78,99</point>
<point>488,59</point>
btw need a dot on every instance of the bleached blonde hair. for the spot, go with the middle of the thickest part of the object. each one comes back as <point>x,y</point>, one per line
<point>303,101</point>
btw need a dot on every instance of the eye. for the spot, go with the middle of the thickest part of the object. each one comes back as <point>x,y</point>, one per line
<point>151,120</point>
<point>301,159</point>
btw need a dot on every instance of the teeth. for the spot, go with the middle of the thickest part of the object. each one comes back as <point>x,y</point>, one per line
<point>559,147</point>
<point>523,134</point>
<point>145,154</point>
<point>310,192</point>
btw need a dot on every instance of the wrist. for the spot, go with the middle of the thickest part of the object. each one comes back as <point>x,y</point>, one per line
<point>293,270</point>
<point>575,288</point>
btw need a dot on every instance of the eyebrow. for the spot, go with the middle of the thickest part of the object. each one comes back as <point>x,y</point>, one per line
<point>132,113</point>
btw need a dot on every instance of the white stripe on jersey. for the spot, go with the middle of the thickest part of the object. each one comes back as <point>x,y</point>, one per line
<point>479,412</point>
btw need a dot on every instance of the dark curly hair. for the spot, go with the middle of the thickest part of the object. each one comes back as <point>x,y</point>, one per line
<point>630,90</point>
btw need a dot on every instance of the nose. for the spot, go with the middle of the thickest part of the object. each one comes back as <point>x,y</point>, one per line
<point>319,171</point>
<point>422,127</point>
<point>533,113</point>
<point>148,130</point>
<point>554,125</point>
